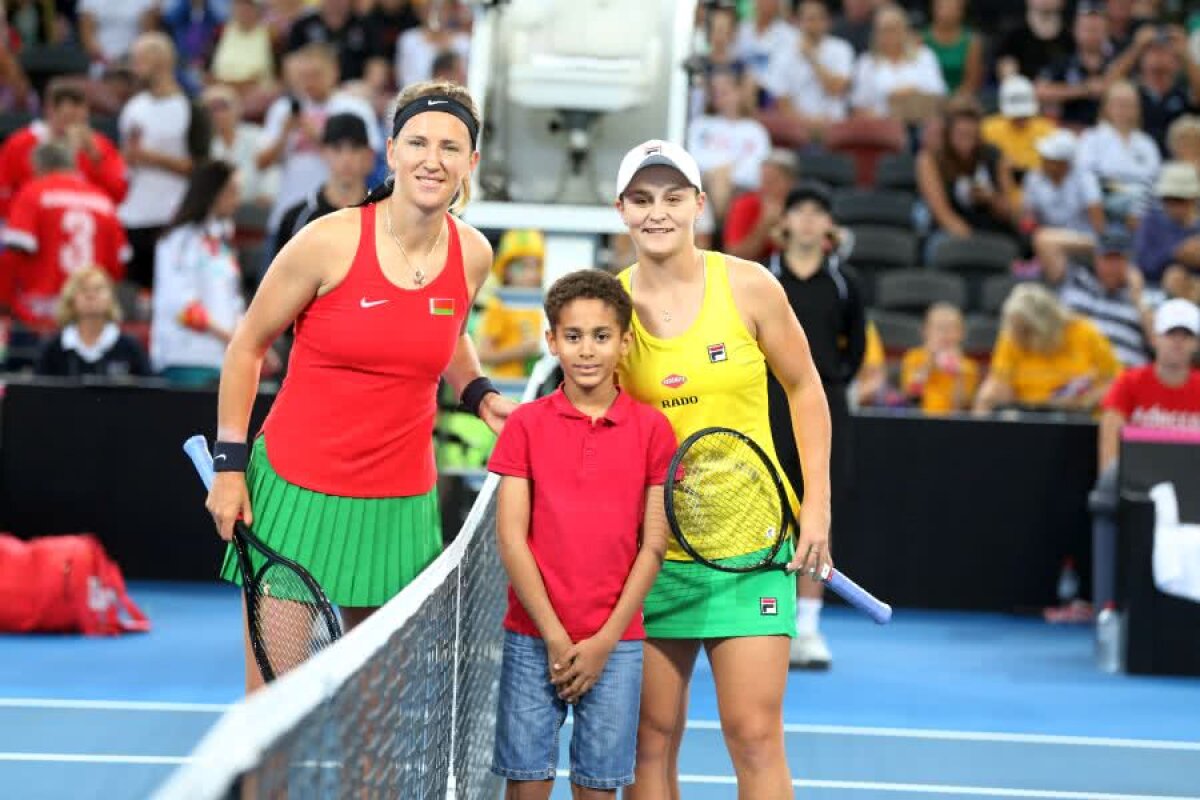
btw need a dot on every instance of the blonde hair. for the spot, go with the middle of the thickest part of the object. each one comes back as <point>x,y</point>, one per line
<point>64,312</point>
<point>891,9</point>
<point>1041,312</point>
<point>416,91</point>
<point>1187,125</point>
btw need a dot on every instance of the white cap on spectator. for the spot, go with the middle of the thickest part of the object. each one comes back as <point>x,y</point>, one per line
<point>1058,146</point>
<point>1177,313</point>
<point>1017,98</point>
<point>657,153</point>
<point>1178,179</point>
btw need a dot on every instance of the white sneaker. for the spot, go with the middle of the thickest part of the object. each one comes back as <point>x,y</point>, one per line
<point>809,651</point>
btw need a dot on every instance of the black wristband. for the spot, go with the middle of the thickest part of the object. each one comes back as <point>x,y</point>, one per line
<point>472,396</point>
<point>230,456</point>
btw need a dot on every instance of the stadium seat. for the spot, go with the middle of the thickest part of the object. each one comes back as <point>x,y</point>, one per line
<point>976,258</point>
<point>898,331</point>
<point>877,250</point>
<point>866,140</point>
<point>107,126</point>
<point>914,290</point>
<point>897,172</point>
<point>994,291</point>
<point>859,207</point>
<point>46,61</point>
<point>13,121</point>
<point>834,169</point>
<point>982,330</point>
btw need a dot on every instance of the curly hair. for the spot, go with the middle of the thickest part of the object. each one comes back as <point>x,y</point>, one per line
<point>589,284</point>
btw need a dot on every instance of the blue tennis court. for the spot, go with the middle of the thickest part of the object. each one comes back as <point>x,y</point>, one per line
<point>940,705</point>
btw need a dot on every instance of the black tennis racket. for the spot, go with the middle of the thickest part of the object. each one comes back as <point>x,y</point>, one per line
<point>729,510</point>
<point>288,615</point>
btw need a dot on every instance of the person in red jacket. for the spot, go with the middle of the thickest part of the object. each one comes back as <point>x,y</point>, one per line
<point>65,120</point>
<point>58,224</point>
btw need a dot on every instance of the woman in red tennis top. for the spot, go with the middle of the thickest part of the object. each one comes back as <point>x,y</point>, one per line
<point>342,477</point>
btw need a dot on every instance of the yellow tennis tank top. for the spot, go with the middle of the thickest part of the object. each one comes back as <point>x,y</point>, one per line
<point>711,375</point>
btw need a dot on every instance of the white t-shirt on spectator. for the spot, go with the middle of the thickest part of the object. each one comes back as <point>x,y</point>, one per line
<point>415,55</point>
<point>793,77</point>
<point>716,141</point>
<point>155,193</point>
<point>302,169</point>
<point>875,79</point>
<point>1063,205</point>
<point>761,50</point>
<point>243,153</point>
<point>1128,166</point>
<point>193,263</point>
<point>118,23</point>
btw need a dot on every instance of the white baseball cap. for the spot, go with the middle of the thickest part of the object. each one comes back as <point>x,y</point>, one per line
<point>1057,146</point>
<point>1017,98</point>
<point>657,153</point>
<point>1177,313</point>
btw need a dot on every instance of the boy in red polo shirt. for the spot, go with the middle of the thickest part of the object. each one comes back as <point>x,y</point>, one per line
<point>582,535</point>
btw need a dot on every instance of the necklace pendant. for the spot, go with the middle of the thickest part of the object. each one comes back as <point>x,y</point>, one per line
<point>419,278</point>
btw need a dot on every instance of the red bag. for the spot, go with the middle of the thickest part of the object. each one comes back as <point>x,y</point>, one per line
<point>63,584</point>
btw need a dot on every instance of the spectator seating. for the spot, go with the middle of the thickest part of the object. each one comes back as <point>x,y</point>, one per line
<point>981,334</point>
<point>878,249</point>
<point>866,207</point>
<point>914,290</point>
<point>897,172</point>
<point>834,169</point>
<point>899,331</point>
<point>43,62</point>
<point>994,292</point>
<point>13,121</point>
<point>866,140</point>
<point>975,257</point>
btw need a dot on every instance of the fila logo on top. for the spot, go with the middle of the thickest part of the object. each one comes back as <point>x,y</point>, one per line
<point>674,381</point>
<point>716,352</point>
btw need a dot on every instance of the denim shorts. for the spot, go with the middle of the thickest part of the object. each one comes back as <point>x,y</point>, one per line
<point>604,734</point>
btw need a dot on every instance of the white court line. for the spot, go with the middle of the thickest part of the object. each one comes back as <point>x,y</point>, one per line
<point>113,705</point>
<point>93,758</point>
<point>694,724</point>
<point>930,788</point>
<point>970,736</point>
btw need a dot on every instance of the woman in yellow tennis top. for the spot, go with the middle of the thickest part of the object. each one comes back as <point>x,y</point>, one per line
<point>705,328</point>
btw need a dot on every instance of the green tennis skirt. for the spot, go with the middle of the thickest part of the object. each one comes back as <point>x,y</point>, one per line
<point>692,601</point>
<point>362,551</point>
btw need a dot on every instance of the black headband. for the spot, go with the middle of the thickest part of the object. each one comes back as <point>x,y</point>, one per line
<point>436,102</point>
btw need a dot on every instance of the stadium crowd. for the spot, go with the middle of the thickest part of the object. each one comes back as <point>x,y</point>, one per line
<point>157,152</point>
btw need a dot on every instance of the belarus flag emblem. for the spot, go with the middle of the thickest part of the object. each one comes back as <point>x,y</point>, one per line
<point>441,306</point>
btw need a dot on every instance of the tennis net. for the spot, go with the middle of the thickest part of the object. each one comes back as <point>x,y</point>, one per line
<point>402,707</point>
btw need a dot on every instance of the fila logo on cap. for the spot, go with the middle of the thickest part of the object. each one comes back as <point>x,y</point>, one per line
<point>652,149</point>
<point>716,352</point>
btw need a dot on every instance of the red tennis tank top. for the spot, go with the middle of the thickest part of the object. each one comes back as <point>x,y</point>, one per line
<point>355,415</point>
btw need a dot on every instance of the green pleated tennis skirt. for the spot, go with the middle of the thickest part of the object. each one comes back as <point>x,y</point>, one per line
<point>361,550</point>
<point>692,601</point>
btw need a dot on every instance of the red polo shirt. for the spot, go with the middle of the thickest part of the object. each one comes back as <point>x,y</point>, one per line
<point>588,488</point>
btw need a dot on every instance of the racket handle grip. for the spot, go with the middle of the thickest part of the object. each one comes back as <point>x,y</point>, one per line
<point>197,450</point>
<point>858,597</point>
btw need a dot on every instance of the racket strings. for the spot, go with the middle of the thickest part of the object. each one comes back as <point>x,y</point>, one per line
<point>726,502</point>
<point>288,618</point>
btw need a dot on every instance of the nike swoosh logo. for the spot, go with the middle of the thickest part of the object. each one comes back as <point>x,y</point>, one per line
<point>365,303</point>
<point>437,102</point>
<point>218,458</point>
